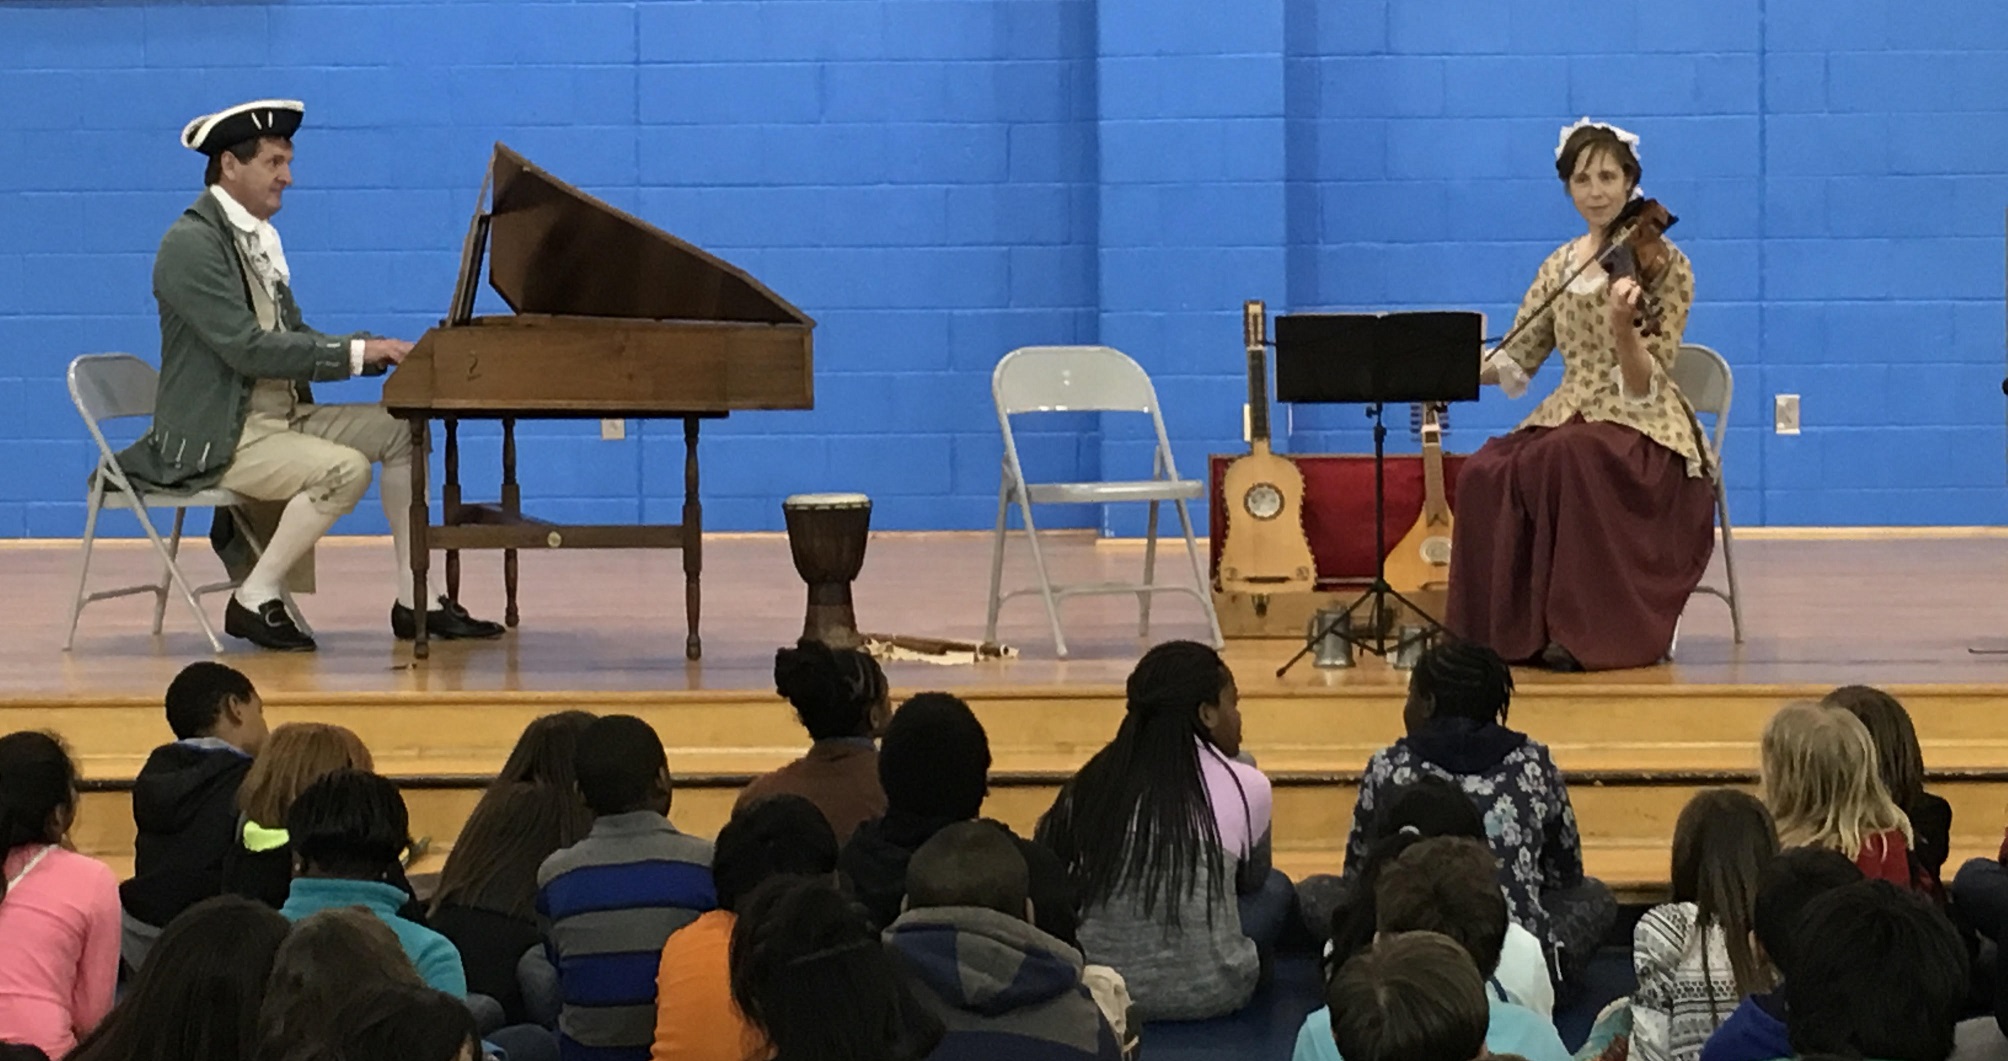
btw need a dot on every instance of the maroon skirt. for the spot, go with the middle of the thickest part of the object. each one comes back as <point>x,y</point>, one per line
<point>1589,535</point>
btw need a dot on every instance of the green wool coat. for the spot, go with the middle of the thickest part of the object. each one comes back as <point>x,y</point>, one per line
<point>212,350</point>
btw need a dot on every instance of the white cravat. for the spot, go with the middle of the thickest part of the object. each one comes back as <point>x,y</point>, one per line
<point>267,258</point>
<point>260,241</point>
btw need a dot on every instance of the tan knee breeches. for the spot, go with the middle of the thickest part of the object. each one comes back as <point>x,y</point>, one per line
<point>323,451</point>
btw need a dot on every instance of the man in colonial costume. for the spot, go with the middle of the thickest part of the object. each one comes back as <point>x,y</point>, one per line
<point>234,409</point>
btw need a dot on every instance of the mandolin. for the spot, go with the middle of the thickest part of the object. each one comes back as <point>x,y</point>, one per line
<point>1266,550</point>
<point>1422,559</point>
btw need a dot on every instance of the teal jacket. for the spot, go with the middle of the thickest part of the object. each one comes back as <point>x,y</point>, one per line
<point>1513,1030</point>
<point>436,958</point>
<point>211,352</point>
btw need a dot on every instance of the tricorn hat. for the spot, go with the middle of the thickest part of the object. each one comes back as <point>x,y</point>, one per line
<point>212,133</point>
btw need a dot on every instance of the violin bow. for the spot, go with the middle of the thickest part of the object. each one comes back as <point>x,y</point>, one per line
<point>1616,240</point>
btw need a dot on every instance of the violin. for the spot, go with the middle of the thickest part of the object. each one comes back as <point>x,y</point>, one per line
<point>1635,248</point>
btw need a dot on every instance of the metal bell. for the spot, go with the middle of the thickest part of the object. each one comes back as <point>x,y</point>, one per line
<point>1408,647</point>
<point>1329,628</point>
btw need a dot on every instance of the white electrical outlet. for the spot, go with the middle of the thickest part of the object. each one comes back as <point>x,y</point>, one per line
<point>1785,414</point>
<point>613,430</point>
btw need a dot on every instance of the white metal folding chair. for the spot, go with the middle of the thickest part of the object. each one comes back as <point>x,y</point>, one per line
<point>1047,379</point>
<point>1704,377</point>
<point>108,387</point>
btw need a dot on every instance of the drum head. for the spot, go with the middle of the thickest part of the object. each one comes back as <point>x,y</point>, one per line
<point>827,501</point>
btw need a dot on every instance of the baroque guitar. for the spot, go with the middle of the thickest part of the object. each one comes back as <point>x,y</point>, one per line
<point>1266,550</point>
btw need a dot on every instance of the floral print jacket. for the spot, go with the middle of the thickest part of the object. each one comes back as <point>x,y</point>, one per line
<point>1517,790</point>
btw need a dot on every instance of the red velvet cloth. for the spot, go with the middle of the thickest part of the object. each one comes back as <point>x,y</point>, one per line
<point>1339,507</point>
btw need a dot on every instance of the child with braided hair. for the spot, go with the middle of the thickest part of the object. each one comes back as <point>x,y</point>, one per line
<point>1458,696</point>
<point>1166,833</point>
<point>841,697</point>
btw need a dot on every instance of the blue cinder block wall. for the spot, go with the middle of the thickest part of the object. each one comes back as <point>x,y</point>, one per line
<point>939,181</point>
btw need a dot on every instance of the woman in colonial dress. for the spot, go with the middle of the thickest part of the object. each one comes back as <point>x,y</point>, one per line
<point>1580,535</point>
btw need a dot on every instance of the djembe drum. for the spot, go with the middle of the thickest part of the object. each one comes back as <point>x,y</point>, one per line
<point>827,534</point>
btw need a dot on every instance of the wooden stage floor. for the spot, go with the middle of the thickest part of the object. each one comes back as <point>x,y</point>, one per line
<point>1817,612</point>
<point>604,631</point>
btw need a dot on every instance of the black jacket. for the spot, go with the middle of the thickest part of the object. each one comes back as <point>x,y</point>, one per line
<point>266,876</point>
<point>874,863</point>
<point>490,945</point>
<point>185,806</point>
<point>1931,827</point>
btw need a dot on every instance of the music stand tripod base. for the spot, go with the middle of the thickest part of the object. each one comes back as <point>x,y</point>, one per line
<point>1387,601</point>
<point>1371,359</point>
<point>1385,622</point>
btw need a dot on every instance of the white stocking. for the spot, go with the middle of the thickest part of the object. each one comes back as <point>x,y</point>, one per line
<point>394,484</point>
<point>300,526</point>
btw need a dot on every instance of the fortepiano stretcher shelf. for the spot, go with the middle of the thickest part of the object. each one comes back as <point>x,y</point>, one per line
<point>538,534</point>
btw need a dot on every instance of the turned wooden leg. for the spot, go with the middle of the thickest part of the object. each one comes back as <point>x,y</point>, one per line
<point>421,525</point>
<point>693,542</point>
<point>449,509</point>
<point>512,503</point>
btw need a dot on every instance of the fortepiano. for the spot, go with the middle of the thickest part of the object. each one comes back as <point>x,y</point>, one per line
<point>613,318</point>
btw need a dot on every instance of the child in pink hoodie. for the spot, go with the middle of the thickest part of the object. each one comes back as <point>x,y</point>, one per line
<point>59,912</point>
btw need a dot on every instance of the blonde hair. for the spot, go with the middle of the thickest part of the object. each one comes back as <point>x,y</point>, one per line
<point>295,756</point>
<point>1820,780</point>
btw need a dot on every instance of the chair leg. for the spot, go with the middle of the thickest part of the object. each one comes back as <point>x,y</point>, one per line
<point>997,564</point>
<point>1201,586</point>
<point>1729,562</point>
<point>1149,572</point>
<point>293,609</point>
<point>84,563</point>
<point>174,574</point>
<point>1045,583</point>
<point>166,578</point>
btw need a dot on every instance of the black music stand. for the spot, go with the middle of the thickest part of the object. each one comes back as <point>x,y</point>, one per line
<point>1371,359</point>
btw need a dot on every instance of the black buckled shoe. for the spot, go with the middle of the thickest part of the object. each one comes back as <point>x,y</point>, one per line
<point>448,622</point>
<point>268,627</point>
